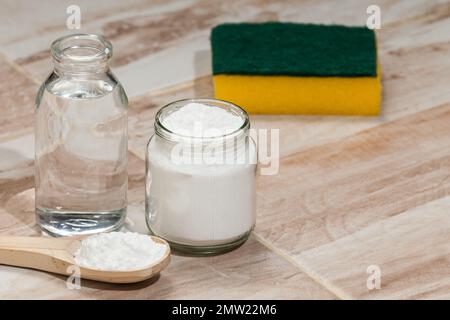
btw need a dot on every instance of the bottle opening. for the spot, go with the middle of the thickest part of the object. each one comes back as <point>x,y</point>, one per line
<point>81,50</point>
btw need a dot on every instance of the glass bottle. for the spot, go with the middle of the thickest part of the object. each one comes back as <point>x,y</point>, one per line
<point>81,141</point>
<point>201,191</point>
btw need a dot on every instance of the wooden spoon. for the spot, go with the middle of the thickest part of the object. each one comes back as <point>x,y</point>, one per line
<point>56,255</point>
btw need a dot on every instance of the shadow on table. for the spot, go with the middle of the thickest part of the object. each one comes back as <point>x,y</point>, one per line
<point>91,284</point>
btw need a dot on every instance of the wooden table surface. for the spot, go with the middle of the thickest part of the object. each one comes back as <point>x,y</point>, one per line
<point>352,192</point>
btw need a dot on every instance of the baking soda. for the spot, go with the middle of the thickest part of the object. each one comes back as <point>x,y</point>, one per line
<point>201,203</point>
<point>118,251</point>
<point>199,120</point>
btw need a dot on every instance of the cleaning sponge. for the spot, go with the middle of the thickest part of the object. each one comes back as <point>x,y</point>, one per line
<point>297,68</point>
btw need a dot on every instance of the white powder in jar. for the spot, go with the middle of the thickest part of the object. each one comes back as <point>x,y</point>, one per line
<point>118,251</point>
<point>199,120</point>
<point>201,204</point>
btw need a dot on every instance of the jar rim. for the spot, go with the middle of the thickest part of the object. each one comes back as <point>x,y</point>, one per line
<point>167,134</point>
<point>81,48</point>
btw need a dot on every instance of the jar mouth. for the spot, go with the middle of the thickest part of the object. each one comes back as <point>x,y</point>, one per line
<point>81,49</point>
<point>165,133</point>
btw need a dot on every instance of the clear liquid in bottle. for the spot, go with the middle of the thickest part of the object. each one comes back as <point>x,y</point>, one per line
<point>81,144</point>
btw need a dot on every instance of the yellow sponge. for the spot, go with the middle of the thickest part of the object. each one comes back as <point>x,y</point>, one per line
<point>301,95</point>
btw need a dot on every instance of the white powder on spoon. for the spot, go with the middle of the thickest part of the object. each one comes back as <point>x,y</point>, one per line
<point>200,120</point>
<point>118,251</point>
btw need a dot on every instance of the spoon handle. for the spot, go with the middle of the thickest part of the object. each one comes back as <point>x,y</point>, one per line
<point>46,254</point>
<point>33,243</point>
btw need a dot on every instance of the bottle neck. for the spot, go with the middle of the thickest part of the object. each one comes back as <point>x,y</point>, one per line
<point>65,69</point>
<point>81,55</point>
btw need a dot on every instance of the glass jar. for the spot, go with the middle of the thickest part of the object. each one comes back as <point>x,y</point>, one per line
<point>81,141</point>
<point>200,191</point>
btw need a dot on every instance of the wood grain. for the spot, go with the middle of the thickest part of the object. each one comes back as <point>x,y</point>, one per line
<point>17,92</point>
<point>411,250</point>
<point>338,190</point>
<point>351,191</point>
